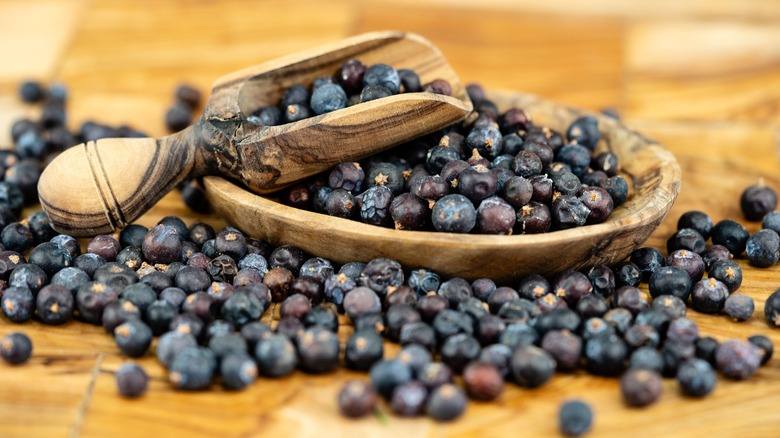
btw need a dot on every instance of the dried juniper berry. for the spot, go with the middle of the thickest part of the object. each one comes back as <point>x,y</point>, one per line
<point>627,274</point>
<point>674,307</point>
<point>564,347</point>
<point>630,298</point>
<point>108,247</point>
<point>224,344</point>
<point>422,281</point>
<point>670,280</point>
<point>705,348</point>
<point>238,371</point>
<point>200,304</point>
<point>592,305</point>
<point>117,312</point>
<point>193,369</point>
<point>16,348</point>
<point>116,275</point>
<point>446,403</point>
<point>594,178</point>
<point>381,273</point>
<point>571,286</point>
<point>533,286</point>
<point>727,272</point>
<point>758,200</point>
<point>159,316</point>
<point>593,327</point>
<point>140,294</point>
<point>619,318</point>
<point>688,239</point>
<point>568,212</point>
<point>576,156</point>
<point>386,375</point>
<point>772,309</point>
<point>275,356</point>
<point>230,242</point>
<point>161,245</point>
<point>131,256</point>
<point>647,260</point>
<point>458,350</point>
<point>682,330</point>
<point>91,300</point>
<point>584,131</point>
<point>646,358</point>
<point>255,332</point>
<point>324,316</point>
<point>385,174</point>
<point>477,183</point>
<point>641,387</point>
<point>696,378</point>
<point>133,337</point>
<point>356,399</point>
<point>716,253</point>
<point>739,307</point>
<point>375,205</point>
<point>527,164</point>
<point>18,304</point>
<point>439,86</point>
<point>382,75</point>
<point>689,262</point>
<point>762,248</point>
<point>363,349</point>
<point>328,98</point>
<point>575,418</point>
<point>89,263</point>
<point>278,280</point>
<point>350,76</point>
<point>361,301</point>
<point>771,221</point>
<point>531,366</point>
<point>533,218</point>
<point>738,359</point>
<point>410,82</point>
<point>674,354</point>
<point>409,399</point>
<point>131,380</point>
<point>171,343</point>
<point>765,345</point>
<point>709,296</point>
<point>605,355</point>
<point>617,187</point>
<point>16,237</point>
<point>730,234</point>
<point>431,305</point>
<point>483,381</point>
<point>54,304</point>
<point>455,290</point>
<point>598,201</point>
<point>495,216</point>
<point>566,183</point>
<point>487,140</point>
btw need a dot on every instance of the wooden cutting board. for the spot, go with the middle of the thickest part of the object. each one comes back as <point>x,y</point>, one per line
<point>715,106</point>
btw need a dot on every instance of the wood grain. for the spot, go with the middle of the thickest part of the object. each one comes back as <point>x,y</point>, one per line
<point>653,174</point>
<point>723,71</point>
<point>123,59</point>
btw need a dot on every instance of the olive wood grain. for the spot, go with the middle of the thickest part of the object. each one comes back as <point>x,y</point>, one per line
<point>653,174</point>
<point>104,185</point>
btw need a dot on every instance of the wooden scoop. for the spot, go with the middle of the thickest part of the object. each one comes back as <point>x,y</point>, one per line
<point>103,185</point>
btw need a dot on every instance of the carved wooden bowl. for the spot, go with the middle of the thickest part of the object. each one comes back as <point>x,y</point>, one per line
<point>654,182</point>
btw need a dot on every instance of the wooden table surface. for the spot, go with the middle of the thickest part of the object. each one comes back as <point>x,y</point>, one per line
<point>702,77</point>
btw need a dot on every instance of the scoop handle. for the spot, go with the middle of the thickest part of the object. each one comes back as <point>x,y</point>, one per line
<point>100,186</point>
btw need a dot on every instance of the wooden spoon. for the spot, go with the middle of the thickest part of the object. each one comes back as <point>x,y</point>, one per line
<point>100,186</point>
<point>653,174</point>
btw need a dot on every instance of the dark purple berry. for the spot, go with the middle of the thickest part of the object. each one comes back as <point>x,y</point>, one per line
<point>356,399</point>
<point>737,359</point>
<point>16,348</point>
<point>758,200</point>
<point>641,387</point>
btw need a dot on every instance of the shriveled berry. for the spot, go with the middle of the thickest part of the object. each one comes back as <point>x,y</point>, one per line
<point>686,238</point>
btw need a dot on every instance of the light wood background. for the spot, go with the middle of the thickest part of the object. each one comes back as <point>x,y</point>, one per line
<point>701,76</point>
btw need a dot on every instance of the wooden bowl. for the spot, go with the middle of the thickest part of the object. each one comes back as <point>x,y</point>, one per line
<point>654,181</point>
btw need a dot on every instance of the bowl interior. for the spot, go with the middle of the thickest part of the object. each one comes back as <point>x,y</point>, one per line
<point>654,180</point>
